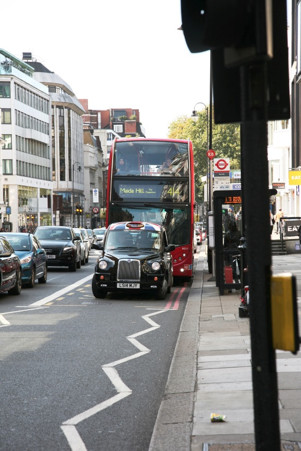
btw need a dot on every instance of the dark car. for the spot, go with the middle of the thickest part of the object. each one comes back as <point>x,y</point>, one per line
<point>136,256</point>
<point>32,257</point>
<point>10,269</point>
<point>61,244</point>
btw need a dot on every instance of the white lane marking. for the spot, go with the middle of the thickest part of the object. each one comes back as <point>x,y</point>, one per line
<point>69,426</point>
<point>3,321</point>
<point>61,292</point>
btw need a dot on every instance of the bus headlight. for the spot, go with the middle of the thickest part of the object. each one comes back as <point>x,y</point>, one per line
<point>155,266</point>
<point>102,265</point>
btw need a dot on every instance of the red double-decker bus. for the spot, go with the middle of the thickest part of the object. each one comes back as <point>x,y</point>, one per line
<point>152,180</point>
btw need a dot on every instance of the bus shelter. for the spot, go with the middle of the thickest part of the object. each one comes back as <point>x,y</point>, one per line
<point>229,240</point>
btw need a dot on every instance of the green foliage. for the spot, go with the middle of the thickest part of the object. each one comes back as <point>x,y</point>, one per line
<point>225,143</point>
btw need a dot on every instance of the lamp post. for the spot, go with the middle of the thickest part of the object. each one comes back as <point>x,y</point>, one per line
<point>79,168</point>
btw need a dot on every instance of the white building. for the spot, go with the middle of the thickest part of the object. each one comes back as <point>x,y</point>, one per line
<point>67,149</point>
<point>25,163</point>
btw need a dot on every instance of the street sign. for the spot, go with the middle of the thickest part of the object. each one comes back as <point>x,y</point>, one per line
<point>221,165</point>
<point>210,154</point>
<point>95,210</point>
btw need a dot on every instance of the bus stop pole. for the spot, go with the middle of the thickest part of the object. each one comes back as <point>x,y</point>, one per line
<point>257,223</point>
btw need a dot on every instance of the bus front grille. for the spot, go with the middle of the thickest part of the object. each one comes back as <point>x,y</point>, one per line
<point>128,270</point>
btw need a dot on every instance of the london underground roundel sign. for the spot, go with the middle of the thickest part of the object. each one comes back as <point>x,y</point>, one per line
<point>221,165</point>
<point>210,154</point>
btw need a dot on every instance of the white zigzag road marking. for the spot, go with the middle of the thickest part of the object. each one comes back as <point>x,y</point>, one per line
<point>3,321</point>
<point>69,426</point>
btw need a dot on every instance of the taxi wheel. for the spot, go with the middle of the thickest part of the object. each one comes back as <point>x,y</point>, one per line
<point>162,291</point>
<point>170,283</point>
<point>98,293</point>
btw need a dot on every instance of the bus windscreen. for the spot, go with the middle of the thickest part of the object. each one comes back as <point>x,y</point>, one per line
<point>151,159</point>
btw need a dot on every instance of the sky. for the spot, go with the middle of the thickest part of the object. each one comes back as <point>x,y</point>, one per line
<point>115,53</point>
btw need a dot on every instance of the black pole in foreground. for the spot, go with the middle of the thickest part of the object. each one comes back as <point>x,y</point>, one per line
<point>256,214</point>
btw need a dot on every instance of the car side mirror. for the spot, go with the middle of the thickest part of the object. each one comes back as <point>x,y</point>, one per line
<point>97,246</point>
<point>76,238</point>
<point>170,248</point>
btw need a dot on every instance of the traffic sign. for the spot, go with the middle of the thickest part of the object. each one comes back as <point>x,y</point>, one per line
<point>221,165</point>
<point>95,210</point>
<point>210,154</point>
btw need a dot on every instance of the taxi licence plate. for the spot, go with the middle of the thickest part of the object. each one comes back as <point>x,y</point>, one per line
<point>128,285</point>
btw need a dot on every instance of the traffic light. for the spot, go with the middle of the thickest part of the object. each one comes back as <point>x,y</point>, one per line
<point>79,209</point>
<point>240,32</point>
<point>243,28</point>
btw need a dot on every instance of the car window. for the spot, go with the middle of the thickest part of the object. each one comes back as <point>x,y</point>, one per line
<point>140,239</point>
<point>19,242</point>
<point>53,234</point>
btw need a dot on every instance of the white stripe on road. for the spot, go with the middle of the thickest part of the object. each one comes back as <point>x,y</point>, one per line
<point>3,321</point>
<point>61,292</point>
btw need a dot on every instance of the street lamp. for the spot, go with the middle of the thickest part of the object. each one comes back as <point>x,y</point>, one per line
<point>79,168</point>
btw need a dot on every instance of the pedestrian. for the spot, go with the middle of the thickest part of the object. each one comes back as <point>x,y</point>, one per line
<point>278,216</point>
<point>272,222</point>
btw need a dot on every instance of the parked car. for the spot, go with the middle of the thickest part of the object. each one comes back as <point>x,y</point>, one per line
<point>91,237</point>
<point>82,245</point>
<point>136,256</point>
<point>10,269</point>
<point>61,244</point>
<point>198,236</point>
<point>86,241</point>
<point>99,235</point>
<point>32,257</point>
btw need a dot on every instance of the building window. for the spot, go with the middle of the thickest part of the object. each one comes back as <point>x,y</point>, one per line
<point>5,116</point>
<point>117,114</point>
<point>5,89</point>
<point>7,167</point>
<point>118,128</point>
<point>7,142</point>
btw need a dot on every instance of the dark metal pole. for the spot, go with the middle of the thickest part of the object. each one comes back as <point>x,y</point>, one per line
<point>256,214</point>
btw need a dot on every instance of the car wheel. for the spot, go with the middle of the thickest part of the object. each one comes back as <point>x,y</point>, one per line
<point>32,281</point>
<point>98,293</point>
<point>18,287</point>
<point>162,291</point>
<point>43,279</point>
<point>79,264</point>
<point>83,261</point>
<point>170,283</point>
<point>72,266</point>
<point>87,258</point>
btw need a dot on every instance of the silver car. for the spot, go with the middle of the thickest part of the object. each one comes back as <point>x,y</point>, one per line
<point>82,246</point>
<point>99,235</point>
<point>86,241</point>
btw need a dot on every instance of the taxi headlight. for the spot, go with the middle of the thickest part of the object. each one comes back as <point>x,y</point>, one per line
<point>155,266</point>
<point>102,264</point>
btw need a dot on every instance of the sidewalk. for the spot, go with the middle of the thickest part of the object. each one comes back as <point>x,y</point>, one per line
<point>211,373</point>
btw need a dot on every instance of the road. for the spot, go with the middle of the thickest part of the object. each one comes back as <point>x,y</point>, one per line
<point>82,373</point>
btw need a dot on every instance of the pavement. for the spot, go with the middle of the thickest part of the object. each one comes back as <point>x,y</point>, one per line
<point>211,373</point>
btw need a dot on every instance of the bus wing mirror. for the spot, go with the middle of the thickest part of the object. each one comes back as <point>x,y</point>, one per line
<point>170,248</point>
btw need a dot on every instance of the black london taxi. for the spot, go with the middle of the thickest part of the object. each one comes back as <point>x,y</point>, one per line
<point>135,257</point>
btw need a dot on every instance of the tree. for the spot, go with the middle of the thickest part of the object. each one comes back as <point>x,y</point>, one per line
<point>225,142</point>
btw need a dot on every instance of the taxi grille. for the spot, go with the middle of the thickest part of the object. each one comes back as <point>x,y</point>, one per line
<point>128,270</point>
